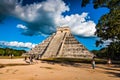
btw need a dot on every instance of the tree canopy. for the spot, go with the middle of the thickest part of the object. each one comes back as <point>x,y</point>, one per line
<point>8,52</point>
<point>108,27</point>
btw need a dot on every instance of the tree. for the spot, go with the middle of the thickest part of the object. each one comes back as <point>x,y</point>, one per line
<point>108,27</point>
<point>10,52</point>
<point>2,52</point>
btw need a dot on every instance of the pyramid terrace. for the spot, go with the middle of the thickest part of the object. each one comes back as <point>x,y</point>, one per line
<point>61,44</point>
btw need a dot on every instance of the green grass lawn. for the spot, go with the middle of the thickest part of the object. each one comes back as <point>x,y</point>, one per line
<point>67,60</point>
<point>78,60</point>
<point>8,57</point>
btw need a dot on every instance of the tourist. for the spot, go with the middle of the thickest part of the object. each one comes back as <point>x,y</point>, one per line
<point>93,63</point>
<point>109,62</point>
<point>25,58</point>
<point>31,59</point>
<point>35,60</point>
<point>11,56</point>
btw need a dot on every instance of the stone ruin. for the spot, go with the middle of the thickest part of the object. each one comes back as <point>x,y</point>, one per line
<point>61,44</point>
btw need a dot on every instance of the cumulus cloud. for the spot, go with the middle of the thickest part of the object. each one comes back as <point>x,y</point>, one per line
<point>7,8</point>
<point>78,24</point>
<point>21,26</point>
<point>17,44</point>
<point>40,17</point>
<point>46,16</point>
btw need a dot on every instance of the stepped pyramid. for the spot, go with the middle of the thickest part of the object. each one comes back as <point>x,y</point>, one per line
<point>61,44</point>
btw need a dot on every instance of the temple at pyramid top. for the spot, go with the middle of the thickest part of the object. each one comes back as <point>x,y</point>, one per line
<point>61,44</point>
<point>63,29</point>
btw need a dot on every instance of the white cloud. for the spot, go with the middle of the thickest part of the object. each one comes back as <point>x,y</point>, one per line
<point>106,43</point>
<point>46,16</point>
<point>78,24</point>
<point>21,26</point>
<point>17,44</point>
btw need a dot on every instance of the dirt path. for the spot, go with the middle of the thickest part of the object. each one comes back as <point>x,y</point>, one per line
<point>47,71</point>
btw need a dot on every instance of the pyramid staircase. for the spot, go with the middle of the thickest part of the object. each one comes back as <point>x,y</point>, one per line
<point>61,44</point>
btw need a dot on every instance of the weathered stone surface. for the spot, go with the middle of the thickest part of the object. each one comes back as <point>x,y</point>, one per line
<point>61,44</point>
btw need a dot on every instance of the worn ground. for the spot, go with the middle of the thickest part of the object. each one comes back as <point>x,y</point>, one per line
<point>18,69</point>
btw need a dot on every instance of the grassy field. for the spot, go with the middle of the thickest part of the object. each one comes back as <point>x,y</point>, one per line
<point>8,57</point>
<point>78,60</point>
<point>67,60</point>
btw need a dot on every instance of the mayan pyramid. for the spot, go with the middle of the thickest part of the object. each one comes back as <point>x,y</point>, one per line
<point>61,44</point>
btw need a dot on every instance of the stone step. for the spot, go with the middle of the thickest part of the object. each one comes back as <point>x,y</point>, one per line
<point>61,44</point>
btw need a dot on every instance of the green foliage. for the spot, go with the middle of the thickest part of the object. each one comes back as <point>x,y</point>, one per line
<point>114,50</point>
<point>108,27</point>
<point>2,52</point>
<point>107,53</point>
<point>101,53</point>
<point>84,2</point>
<point>8,51</point>
<point>99,3</point>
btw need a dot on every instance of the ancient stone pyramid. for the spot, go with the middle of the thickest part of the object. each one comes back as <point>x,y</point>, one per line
<point>61,44</point>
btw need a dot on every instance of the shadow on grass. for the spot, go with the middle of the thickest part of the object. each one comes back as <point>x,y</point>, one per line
<point>116,74</point>
<point>5,65</point>
<point>1,66</point>
<point>116,66</point>
<point>61,63</point>
<point>74,62</point>
<point>111,70</point>
<point>46,67</point>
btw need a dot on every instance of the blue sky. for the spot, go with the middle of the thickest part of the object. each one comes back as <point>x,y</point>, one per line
<point>25,26</point>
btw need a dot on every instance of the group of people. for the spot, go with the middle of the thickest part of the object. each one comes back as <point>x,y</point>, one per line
<point>93,62</point>
<point>31,59</point>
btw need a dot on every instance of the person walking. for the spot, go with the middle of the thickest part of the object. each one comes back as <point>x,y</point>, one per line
<point>109,62</point>
<point>31,59</point>
<point>93,63</point>
<point>25,58</point>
